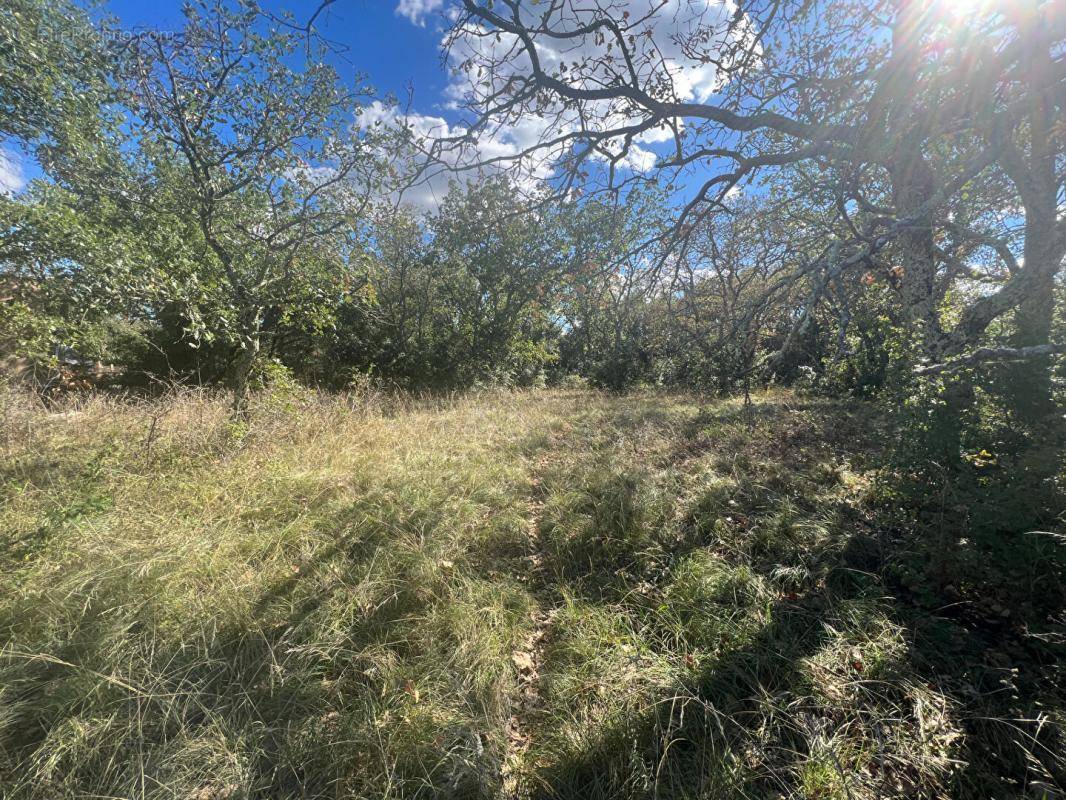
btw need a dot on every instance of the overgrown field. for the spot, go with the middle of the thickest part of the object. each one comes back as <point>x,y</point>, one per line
<point>545,594</point>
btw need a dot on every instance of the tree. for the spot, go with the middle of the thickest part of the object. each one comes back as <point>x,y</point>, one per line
<point>884,93</point>
<point>504,261</point>
<point>726,291</point>
<point>252,132</point>
<point>53,67</point>
<point>605,302</point>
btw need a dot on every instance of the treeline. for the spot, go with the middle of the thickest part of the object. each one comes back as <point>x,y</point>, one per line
<point>214,211</point>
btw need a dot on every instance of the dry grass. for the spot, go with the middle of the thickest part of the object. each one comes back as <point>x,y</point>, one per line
<point>549,594</point>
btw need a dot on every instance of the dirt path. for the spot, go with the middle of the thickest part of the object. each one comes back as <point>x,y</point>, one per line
<point>527,657</point>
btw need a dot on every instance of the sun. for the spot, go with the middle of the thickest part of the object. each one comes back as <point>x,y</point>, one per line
<point>966,8</point>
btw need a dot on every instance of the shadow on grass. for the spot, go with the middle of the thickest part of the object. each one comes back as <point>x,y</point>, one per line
<point>310,696</point>
<point>694,740</point>
<point>305,698</point>
<point>750,723</point>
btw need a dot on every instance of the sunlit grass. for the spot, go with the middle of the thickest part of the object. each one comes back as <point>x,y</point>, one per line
<point>336,600</point>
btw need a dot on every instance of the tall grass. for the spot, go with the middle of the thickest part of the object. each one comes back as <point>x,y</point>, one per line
<point>660,596</point>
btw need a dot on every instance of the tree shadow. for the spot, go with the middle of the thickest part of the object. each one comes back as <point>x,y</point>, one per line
<point>272,713</point>
<point>998,687</point>
<point>691,740</point>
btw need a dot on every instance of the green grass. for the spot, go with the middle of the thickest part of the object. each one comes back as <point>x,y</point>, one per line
<point>557,594</point>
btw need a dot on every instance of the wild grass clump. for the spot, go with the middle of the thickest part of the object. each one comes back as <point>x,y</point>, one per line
<point>290,609</point>
<point>560,594</point>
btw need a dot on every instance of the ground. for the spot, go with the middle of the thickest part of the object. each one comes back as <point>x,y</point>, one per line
<point>550,594</point>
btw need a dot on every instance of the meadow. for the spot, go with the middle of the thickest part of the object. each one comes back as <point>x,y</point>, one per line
<point>554,594</point>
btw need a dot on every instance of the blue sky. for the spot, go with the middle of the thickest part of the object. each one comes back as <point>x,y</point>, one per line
<point>396,43</point>
<point>381,42</point>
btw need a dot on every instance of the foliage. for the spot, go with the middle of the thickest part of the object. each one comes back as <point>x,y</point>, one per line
<point>53,65</point>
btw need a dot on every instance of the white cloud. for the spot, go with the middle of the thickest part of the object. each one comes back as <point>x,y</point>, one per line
<point>426,194</point>
<point>667,44</point>
<point>491,152</point>
<point>417,10</point>
<point>12,178</point>
<point>451,164</point>
<point>672,46</point>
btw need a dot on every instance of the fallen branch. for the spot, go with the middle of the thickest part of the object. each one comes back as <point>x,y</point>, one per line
<point>987,354</point>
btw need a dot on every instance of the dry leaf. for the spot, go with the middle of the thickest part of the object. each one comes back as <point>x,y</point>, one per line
<point>523,661</point>
<point>411,689</point>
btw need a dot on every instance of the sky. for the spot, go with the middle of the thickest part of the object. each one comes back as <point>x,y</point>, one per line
<point>396,44</point>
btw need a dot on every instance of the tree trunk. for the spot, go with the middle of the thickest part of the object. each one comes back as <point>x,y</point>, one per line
<point>1043,257</point>
<point>242,374</point>
<point>913,181</point>
<point>1030,393</point>
<point>913,184</point>
<point>1031,382</point>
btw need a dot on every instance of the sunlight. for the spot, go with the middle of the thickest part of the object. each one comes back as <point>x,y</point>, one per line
<point>962,9</point>
<point>584,399</point>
